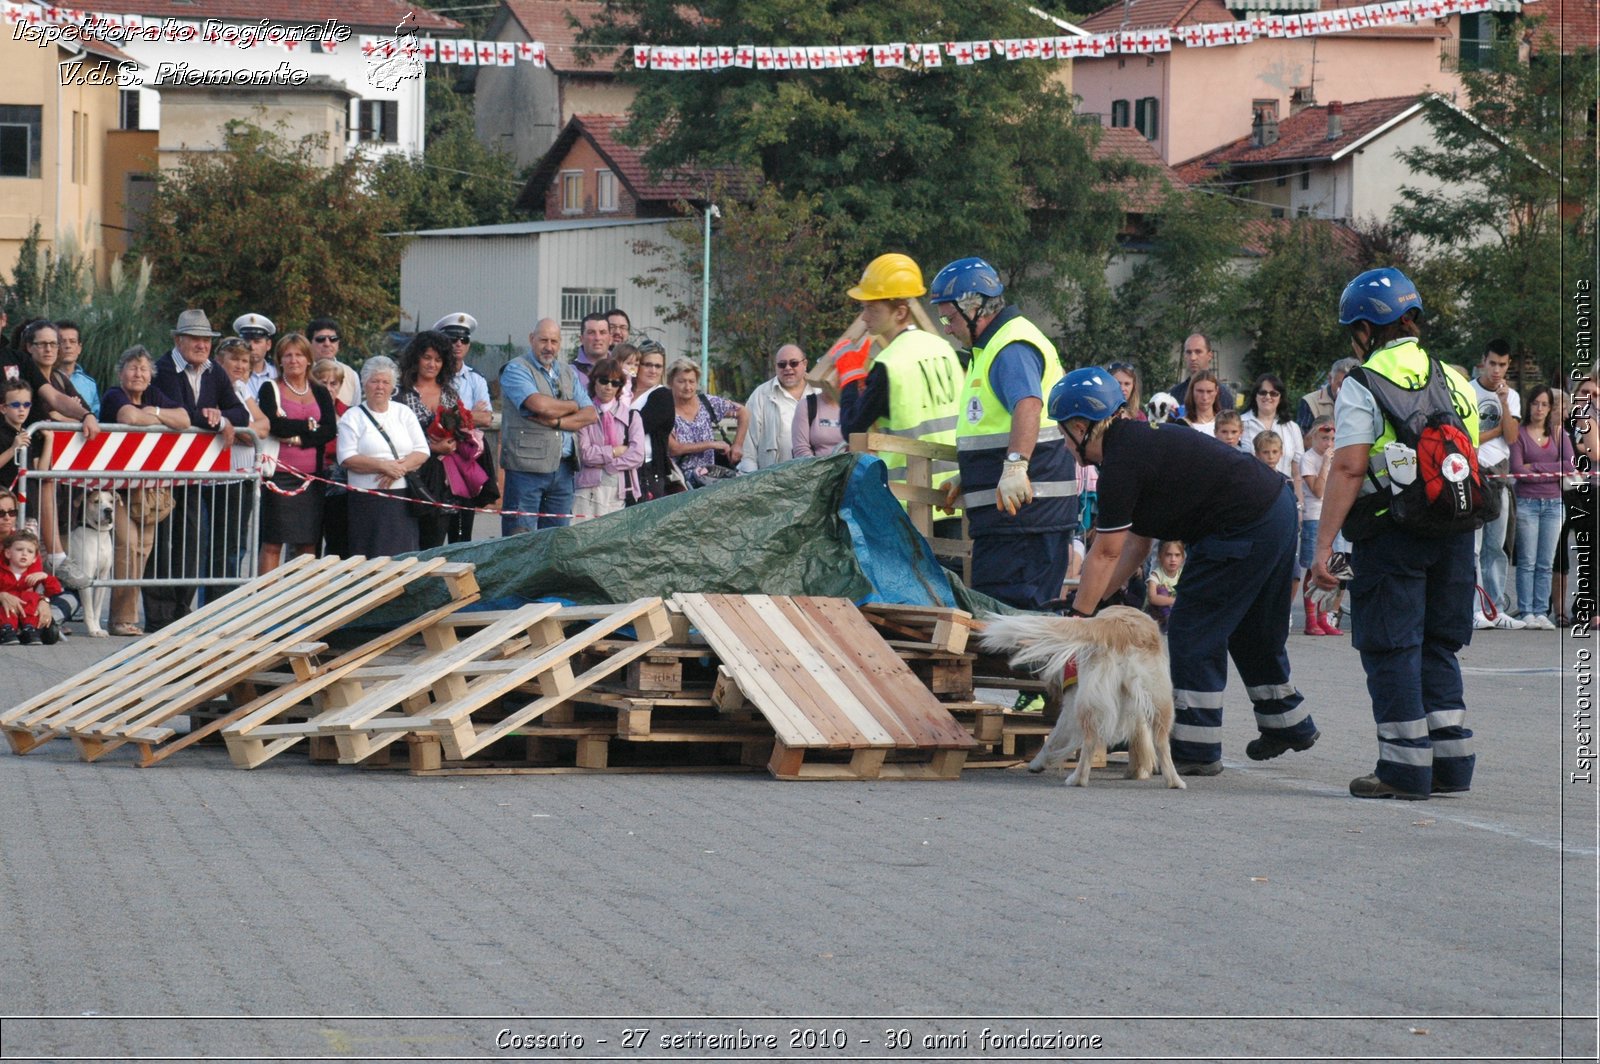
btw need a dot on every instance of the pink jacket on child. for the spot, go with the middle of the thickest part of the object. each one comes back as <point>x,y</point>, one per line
<point>615,426</point>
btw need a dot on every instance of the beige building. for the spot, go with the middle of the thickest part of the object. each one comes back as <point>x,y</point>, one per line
<point>58,103</point>
<point>521,109</point>
<point>194,118</point>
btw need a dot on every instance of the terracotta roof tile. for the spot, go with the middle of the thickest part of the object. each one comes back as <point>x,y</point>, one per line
<point>361,14</point>
<point>1301,136</point>
<point>1140,196</point>
<point>1258,233</point>
<point>627,163</point>
<point>548,21</point>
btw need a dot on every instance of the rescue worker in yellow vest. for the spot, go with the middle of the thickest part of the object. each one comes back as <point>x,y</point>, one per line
<point>1017,480</point>
<point>912,386</point>
<point>1411,595</point>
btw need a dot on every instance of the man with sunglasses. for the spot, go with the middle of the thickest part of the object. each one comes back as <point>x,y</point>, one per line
<point>469,384</point>
<point>770,438</point>
<point>325,337</point>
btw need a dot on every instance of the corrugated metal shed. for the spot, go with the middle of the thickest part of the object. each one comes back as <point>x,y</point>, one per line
<point>510,276</point>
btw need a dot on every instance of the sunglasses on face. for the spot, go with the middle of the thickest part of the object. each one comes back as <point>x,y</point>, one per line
<point>464,341</point>
<point>793,363</point>
<point>20,406</point>
<point>615,382</point>
<point>652,365</point>
<point>12,512</point>
<point>1268,392</point>
<point>325,339</point>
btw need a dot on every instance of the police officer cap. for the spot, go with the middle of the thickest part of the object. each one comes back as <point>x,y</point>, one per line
<point>456,325</point>
<point>254,326</point>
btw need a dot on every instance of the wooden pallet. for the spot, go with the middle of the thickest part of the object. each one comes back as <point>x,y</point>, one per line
<point>925,627</point>
<point>826,681</point>
<point>275,620</point>
<point>519,653</point>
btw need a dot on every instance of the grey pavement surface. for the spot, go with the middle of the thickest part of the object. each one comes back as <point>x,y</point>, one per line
<point>1261,915</point>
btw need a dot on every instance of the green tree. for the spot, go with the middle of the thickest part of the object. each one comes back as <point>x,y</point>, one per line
<point>456,180</point>
<point>1291,307</point>
<point>1183,280</point>
<point>261,226</point>
<point>1516,207</point>
<point>941,162</point>
<point>775,279</point>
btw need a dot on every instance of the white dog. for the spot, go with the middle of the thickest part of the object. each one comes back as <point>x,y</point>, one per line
<point>90,549</point>
<point>1123,694</point>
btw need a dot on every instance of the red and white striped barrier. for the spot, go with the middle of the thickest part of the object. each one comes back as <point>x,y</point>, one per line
<point>113,451</point>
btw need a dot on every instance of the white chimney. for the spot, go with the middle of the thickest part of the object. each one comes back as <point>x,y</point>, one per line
<point>1335,120</point>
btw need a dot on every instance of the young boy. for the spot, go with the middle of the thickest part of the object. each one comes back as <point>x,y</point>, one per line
<point>1229,427</point>
<point>1269,448</point>
<point>16,400</point>
<point>30,621</point>
<point>1161,589</point>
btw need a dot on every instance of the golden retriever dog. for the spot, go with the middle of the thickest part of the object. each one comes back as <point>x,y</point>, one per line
<point>1123,694</point>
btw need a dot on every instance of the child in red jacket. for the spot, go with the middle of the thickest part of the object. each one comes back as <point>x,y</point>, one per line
<point>25,614</point>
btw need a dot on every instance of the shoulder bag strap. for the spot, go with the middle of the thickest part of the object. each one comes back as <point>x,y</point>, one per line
<point>379,426</point>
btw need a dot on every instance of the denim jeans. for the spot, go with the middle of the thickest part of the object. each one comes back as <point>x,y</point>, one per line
<point>1492,563</point>
<point>1538,523</point>
<point>545,494</point>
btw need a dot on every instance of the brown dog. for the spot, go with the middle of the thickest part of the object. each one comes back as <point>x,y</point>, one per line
<point>1123,693</point>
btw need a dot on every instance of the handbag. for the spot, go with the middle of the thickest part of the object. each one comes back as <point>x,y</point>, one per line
<point>420,502</point>
<point>150,506</point>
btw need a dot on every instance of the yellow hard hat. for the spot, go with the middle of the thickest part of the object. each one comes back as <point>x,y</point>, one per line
<point>891,276</point>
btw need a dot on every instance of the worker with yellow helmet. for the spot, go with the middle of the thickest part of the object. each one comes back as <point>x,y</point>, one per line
<point>913,387</point>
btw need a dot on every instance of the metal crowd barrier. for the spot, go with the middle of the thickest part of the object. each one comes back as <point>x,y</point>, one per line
<point>183,510</point>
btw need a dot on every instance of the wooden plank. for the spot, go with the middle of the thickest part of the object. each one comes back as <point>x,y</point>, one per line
<point>846,669</point>
<point>372,585</point>
<point>794,728</point>
<point>153,655</point>
<point>210,666</point>
<point>812,655</point>
<point>902,695</point>
<point>780,666</point>
<point>884,443</point>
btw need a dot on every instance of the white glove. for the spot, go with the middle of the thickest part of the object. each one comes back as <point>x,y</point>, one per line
<point>952,494</point>
<point>1014,490</point>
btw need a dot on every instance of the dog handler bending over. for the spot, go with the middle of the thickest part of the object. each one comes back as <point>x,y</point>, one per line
<point>1237,518</point>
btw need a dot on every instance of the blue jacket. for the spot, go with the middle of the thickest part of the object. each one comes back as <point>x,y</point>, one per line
<point>216,390</point>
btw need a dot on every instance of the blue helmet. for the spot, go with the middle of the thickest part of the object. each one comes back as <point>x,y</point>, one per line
<point>1091,392</point>
<point>1379,296</point>
<point>965,277</point>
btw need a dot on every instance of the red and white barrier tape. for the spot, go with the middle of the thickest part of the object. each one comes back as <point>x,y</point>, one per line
<point>307,479</point>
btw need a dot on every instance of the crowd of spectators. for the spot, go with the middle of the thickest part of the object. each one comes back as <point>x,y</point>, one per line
<point>396,458</point>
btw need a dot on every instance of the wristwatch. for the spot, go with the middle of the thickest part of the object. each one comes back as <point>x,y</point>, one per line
<point>1016,456</point>
<point>311,424</point>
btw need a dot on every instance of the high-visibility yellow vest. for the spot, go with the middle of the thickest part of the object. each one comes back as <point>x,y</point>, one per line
<point>924,386</point>
<point>1406,364</point>
<point>983,432</point>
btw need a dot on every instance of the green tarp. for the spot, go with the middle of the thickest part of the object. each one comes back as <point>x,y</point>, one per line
<point>809,527</point>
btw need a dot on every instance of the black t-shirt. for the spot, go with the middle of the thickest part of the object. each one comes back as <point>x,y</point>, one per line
<point>1171,482</point>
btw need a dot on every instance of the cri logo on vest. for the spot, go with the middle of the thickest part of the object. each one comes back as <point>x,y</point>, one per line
<point>974,410</point>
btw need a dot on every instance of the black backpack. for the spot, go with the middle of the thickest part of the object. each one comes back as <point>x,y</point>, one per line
<point>1449,494</point>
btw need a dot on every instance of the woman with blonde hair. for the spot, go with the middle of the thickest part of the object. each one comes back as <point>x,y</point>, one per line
<point>301,416</point>
<point>696,441</point>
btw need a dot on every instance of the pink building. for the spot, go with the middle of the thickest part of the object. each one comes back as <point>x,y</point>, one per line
<point>1191,100</point>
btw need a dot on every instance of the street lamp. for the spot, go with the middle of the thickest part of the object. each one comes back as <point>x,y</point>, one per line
<point>705,301</point>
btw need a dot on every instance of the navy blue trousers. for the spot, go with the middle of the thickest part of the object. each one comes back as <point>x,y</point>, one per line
<point>1025,571</point>
<point>1233,601</point>
<point>1411,606</point>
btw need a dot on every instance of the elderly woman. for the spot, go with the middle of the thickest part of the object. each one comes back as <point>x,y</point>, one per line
<point>611,450</point>
<point>379,443</point>
<point>136,401</point>
<point>695,441</point>
<point>427,388</point>
<point>233,355</point>
<point>300,415</point>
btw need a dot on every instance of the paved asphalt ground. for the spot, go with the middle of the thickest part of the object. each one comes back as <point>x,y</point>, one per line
<point>198,911</point>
